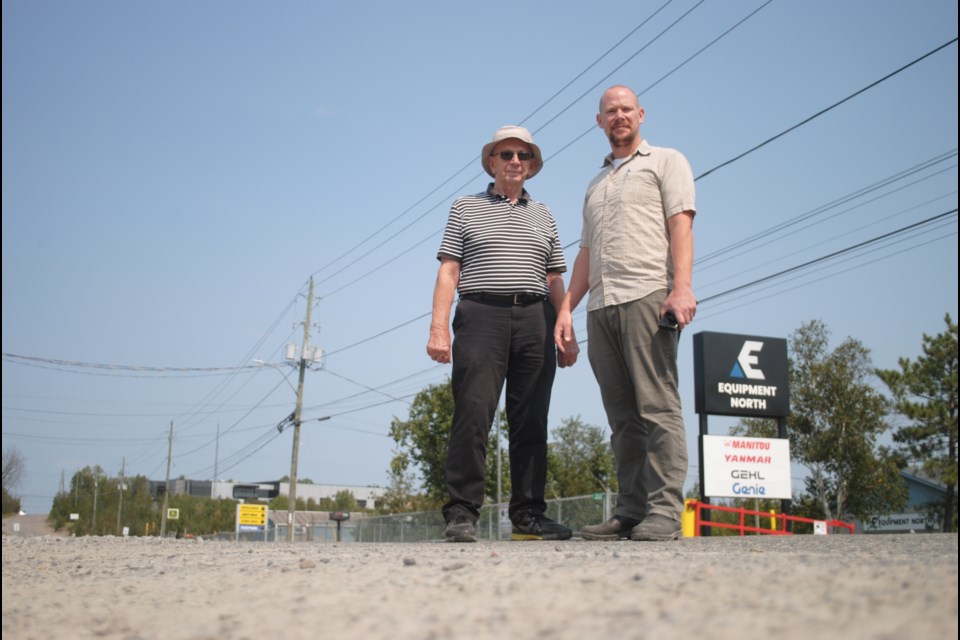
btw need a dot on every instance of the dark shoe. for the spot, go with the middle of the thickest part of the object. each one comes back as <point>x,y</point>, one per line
<point>461,529</point>
<point>616,528</point>
<point>657,528</point>
<point>531,525</point>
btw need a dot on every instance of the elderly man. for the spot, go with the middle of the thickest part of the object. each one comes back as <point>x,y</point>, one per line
<point>636,260</point>
<point>501,253</point>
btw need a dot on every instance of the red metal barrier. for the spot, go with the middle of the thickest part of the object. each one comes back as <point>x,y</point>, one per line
<point>780,529</point>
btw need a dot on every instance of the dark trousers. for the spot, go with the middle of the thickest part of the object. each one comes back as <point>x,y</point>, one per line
<point>496,343</point>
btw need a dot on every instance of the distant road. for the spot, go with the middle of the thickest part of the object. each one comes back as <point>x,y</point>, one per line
<point>27,525</point>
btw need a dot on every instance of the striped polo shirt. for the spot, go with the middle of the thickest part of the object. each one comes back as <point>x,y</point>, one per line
<point>502,247</point>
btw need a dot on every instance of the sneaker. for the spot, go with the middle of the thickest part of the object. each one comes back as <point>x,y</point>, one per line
<point>461,529</point>
<point>656,527</point>
<point>532,525</point>
<point>616,528</point>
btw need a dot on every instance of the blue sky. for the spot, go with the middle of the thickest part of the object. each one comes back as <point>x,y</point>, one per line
<point>173,174</point>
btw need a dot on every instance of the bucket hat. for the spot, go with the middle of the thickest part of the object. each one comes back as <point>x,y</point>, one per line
<point>506,133</point>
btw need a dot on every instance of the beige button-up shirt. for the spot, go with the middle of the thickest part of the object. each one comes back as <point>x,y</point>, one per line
<point>625,215</point>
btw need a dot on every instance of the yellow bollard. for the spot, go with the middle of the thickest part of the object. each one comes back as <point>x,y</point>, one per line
<point>688,519</point>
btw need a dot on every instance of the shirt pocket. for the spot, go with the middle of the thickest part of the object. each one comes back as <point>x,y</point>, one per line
<point>641,190</point>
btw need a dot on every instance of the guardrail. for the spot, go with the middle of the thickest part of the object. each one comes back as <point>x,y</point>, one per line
<point>780,523</point>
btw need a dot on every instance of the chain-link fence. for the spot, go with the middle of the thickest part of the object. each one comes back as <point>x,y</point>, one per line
<point>493,523</point>
<point>425,526</point>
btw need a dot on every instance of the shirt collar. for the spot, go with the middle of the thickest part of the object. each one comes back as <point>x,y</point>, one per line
<point>643,149</point>
<point>493,193</point>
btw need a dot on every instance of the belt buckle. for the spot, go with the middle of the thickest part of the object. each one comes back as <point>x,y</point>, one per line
<point>516,298</point>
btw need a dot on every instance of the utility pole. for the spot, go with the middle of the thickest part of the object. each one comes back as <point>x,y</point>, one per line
<point>166,487</point>
<point>96,493</point>
<point>123,468</point>
<point>216,457</point>
<point>292,497</point>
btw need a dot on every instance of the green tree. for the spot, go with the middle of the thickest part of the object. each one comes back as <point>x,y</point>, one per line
<point>13,469</point>
<point>201,516</point>
<point>95,498</point>
<point>755,428</point>
<point>422,441</point>
<point>87,488</point>
<point>139,513</point>
<point>344,500</point>
<point>399,495</point>
<point>925,392</point>
<point>423,437</point>
<point>836,418</point>
<point>282,502</point>
<point>579,460</point>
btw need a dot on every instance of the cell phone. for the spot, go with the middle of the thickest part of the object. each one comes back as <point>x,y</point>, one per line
<point>668,321</point>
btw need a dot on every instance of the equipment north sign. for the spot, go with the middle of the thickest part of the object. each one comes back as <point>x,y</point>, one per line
<point>738,375</point>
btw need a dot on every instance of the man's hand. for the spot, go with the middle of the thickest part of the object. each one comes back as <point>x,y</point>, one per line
<point>683,305</point>
<point>568,358</point>
<point>438,346</point>
<point>567,348</point>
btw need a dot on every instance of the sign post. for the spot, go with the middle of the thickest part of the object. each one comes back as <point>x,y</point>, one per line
<point>339,517</point>
<point>746,376</point>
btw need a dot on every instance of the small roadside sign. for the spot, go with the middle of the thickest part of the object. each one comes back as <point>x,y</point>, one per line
<point>251,517</point>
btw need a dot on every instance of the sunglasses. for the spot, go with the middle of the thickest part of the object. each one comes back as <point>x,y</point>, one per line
<point>507,156</point>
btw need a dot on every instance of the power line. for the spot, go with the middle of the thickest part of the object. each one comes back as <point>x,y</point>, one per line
<point>853,195</point>
<point>596,61</point>
<point>703,175</point>
<point>620,66</point>
<point>714,311</point>
<point>823,111</point>
<point>783,256</point>
<point>382,333</point>
<point>828,256</point>
<point>547,123</point>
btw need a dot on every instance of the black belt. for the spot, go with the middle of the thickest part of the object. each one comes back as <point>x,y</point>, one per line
<point>505,298</point>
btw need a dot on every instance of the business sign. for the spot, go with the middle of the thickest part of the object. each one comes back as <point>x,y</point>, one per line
<point>251,517</point>
<point>900,522</point>
<point>738,375</point>
<point>737,467</point>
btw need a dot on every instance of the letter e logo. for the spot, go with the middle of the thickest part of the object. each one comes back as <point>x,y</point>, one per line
<point>746,361</point>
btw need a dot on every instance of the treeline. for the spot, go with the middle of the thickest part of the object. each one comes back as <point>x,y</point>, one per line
<point>98,504</point>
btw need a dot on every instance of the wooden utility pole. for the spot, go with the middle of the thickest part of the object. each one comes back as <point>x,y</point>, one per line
<point>96,493</point>
<point>123,468</point>
<point>166,487</point>
<point>292,495</point>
